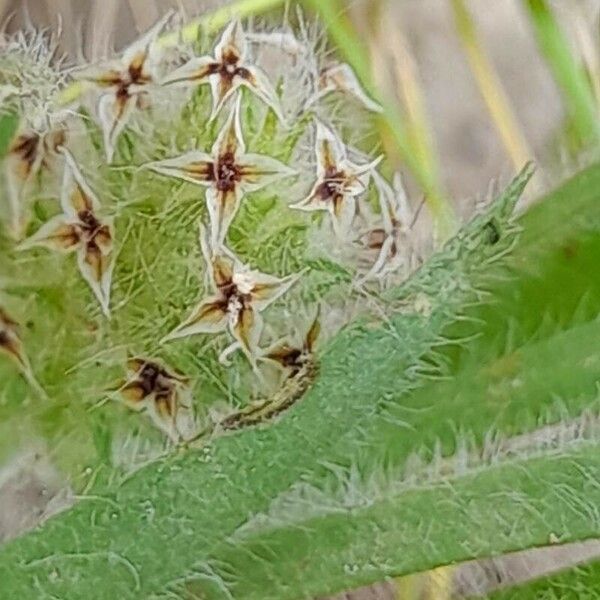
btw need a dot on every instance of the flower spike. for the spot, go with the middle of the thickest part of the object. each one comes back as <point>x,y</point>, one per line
<point>122,84</point>
<point>81,229</point>
<point>226,71</point>
<point>227,173</point>
<point>160,391</point>
<point>392,240</point>
<point>339,181</point>
<point>239,296</point>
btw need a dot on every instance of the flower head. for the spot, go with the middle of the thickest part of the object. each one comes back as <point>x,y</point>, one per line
<point>122,83</point>
<point>228,173</point>
<point>239,296</point>
<point>30,153</point>
<point>392,240</point>
<point>83,230</point>
<point>158,390</point>
<point>226,71</point>
<point>339,181</point>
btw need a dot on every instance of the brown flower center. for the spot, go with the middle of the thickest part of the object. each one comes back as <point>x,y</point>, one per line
<point>154,379</point>
<point>332,185</point>
<point>227,173</point>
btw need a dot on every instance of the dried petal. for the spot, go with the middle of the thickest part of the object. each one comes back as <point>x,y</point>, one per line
<point>56,234</point>
<point>267,289</point>
<point>259,170</point>
<point>232,47</point>
<point>342,78</point>
<point>230,141</point>
<point>196,71</point>
<point>256,79</point>
<point>195,167</point>
<point>76,195</point>
<point>114,112</point>
<point>222,268</point>
<point>222,207</point>
<point>210,316</point>
<point>96,267</point>
<point>246,329</point>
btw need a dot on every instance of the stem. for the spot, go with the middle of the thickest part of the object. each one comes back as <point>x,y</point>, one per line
<point>576,91</point>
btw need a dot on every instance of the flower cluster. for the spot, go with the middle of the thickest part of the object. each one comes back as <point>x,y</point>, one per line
<point>229,176</point>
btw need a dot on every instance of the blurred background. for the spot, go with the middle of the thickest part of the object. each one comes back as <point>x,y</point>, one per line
<point>481,92</point>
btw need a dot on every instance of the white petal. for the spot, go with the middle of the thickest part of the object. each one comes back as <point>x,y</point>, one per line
<point>18,183</point>
<point>246,331</point>
<point>74,182</point>
<point>113,116</point>
<point>386,201</point>
<point>220,96</point>
<point>232,37</point>
<point>261,170</point>
<point>260,84</point>
<point>52,235</point>
<point>144,43</point>
<point>192,73</point>
<point>329,149</point>
<point>222,208</point>
<point>99,285</point>
<point>270,288</point>
<point>342,78</point>
<point>207,317</point>
<point>380,262</point>
<point>230,138</point>
<point>190,166</point>
<point>312,202</point>
<point>342,221</point>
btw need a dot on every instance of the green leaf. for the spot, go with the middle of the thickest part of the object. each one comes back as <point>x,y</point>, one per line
<point>383,468</point>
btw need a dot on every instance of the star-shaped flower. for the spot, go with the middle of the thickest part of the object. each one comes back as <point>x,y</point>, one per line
<point>240,295</point>
<point>392,240</point>
<point>294,358</point>
<point>341,78</point>
<point>122,83</point>
<point>226,71</point>
<point>339,181</point>
<point>30,153</point>
<point>83,230</point>
<point>228,173</point>
<point>160,391</point>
